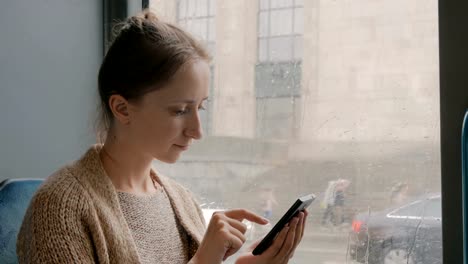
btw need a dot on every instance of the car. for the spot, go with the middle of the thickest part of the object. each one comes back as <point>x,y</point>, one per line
<point>409,234</point>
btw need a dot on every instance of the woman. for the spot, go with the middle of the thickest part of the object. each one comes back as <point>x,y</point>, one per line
<point>110,206</point>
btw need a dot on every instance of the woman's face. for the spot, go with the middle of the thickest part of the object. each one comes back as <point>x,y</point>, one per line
<point>165,122</point>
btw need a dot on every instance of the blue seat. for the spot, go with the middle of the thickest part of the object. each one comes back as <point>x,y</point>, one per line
<point>15,196</point>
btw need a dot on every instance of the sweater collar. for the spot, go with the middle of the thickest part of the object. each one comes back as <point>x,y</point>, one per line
<point>102,188</point>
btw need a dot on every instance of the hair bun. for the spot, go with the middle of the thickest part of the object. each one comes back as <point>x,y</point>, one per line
<point>148,15</point>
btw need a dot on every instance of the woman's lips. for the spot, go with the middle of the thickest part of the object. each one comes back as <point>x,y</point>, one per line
<point>182,147</point>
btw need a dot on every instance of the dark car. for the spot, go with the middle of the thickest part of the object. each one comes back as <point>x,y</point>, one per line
<point>409,234</point>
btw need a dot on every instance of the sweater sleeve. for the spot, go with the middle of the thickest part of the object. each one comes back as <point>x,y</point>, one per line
<point>54,229</point>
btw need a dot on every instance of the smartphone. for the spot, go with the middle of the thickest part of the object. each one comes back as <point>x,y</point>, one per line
<point>301,204</point>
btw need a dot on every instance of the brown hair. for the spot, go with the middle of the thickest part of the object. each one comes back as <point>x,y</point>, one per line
<point>144,56</point>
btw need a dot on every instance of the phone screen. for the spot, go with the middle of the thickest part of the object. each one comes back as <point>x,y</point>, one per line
<point>299,205</point>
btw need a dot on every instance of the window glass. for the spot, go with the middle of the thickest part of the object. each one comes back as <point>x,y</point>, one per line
<point>212,7</point>
<point>298,20</point>
<point>281,49</point>
<point>336,98</point>
<point>299,2</point>
<point>201,7</point>
<point>262,49</point>
<point>198,17</point>
<point>278,25</point>
<point>263,24</point>
<point>412,210</point>
<point>212,50</point>
<point>434,208</point>
<point>279,54</point>
<point>270,112</point>
<point>211,30</point>
<point>191,8</point>
<point>182,8</point>
<point>280,3</point>
<point>264,4</point>
<point>281,22</point>
<point>199,27</point>
<point>284,80</point>
<point>424,208</point>
<point>298,42</point>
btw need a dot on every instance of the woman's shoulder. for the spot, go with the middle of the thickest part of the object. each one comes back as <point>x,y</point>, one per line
<point>57,213</point>
<point>58,191</point>
<point>75,179</point>
<point>61,178</point>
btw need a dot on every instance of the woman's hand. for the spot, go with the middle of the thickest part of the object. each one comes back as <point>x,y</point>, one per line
<point>282,248</point>
<point>225,235</point>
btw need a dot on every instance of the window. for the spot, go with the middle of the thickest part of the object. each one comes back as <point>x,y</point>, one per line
<point>278,72</point>
<point>277,94</point>
<point>434,208</point>
<point>280,28</point>
<point>198,17</point>
<point>332,90</point>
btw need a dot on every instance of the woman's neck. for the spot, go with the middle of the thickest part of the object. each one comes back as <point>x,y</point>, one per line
<point>128,169</point>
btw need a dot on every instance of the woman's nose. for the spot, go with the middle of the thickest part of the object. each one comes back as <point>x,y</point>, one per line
<point>194,129</point>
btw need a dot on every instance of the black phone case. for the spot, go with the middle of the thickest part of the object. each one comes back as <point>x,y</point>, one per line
<point>301,204</point>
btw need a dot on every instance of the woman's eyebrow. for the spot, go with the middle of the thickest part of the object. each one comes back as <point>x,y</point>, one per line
<point>187,101</point>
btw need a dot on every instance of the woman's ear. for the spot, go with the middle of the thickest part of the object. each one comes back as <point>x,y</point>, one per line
<point>119,107</point>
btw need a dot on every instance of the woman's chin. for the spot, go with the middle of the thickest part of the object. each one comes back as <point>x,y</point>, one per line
<point>169,158</point>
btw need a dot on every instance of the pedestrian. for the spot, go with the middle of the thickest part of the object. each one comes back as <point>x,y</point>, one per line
<point>268,201</point>
<point>328,203</point>
<point>340,189</point>
<point>399,193</point>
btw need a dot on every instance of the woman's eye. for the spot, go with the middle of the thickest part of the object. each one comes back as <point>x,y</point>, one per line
<point>181,112</point>
<point>202,106</point>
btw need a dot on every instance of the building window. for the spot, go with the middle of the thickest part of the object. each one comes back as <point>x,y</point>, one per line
<point>277,87</point>
<point>198,17</point>
<point>280,29</point>
<point>278,71</point>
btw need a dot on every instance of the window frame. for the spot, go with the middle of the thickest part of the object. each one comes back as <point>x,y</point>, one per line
<point>453,40</point>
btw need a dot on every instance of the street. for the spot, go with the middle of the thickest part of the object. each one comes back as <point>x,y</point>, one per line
<point>320,247</point>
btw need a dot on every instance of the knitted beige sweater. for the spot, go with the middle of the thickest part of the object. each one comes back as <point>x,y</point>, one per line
<point>75,217</point>
<point>152,222</point>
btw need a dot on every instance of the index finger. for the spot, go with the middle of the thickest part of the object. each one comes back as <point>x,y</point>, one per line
<point>241,214</point>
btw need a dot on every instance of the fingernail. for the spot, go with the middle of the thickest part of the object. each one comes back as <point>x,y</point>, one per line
<point>266,220</point>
